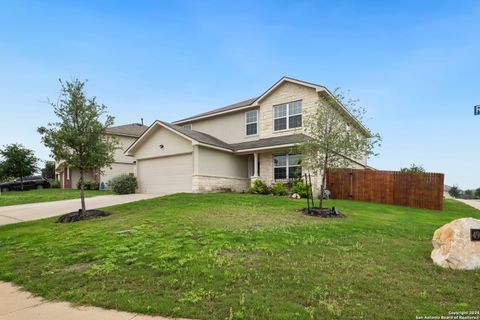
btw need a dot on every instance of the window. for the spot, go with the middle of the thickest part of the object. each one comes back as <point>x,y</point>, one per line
<point>287,166</point>
<point>287,116</point>
<point>187,126</point>
<point>251,122</point>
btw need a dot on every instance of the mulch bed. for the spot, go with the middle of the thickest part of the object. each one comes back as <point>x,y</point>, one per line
<point>78,216</point>
<point>323,213</point>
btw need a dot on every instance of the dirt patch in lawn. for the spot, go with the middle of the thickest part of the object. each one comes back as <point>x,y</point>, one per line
<point>78,216</point>
<point>323,213</point>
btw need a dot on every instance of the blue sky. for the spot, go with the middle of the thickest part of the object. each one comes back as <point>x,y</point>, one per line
<point>414,65</point>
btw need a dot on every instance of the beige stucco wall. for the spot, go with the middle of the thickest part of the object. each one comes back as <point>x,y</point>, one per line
<point>220,163</point>
<point>124,143</point>
<point>116,170</point>
<point>217,170</point>
<point>172,144</point>
<point>75,176</point>
<point>229,127</point>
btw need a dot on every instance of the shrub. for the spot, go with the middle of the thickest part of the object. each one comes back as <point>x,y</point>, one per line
<point>123,184</point>
<point>54,183</point>
<point>258,187</point>
<point>89,185</point>
<point>278,189</point>
<point>300,188</point>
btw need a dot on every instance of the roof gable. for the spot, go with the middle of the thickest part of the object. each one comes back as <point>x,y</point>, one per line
<point>130,130</point>
<point>195,137</point>
<point>254,102</point>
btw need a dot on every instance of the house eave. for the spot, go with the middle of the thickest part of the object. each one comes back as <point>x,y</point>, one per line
<point>189,120</point>
<point>282,146</point>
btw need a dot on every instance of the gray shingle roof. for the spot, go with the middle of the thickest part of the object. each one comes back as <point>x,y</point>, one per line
<point>269,142</point>
<point>131,129</point>
<point>199,136</point>
<point>227,108</point>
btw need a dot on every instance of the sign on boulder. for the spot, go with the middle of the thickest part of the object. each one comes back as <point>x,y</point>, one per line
<point>456,245</point>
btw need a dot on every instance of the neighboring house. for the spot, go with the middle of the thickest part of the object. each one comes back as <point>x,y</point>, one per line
<point>123,164</point>
<point>227,148</point>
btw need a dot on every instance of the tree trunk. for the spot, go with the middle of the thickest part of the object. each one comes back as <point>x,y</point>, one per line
<point>82,192</point>
<point>324,180</point>
<point>21,183</point>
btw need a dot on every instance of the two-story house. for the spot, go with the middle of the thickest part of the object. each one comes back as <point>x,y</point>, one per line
<point>227,148</point>
<point>123,164</point>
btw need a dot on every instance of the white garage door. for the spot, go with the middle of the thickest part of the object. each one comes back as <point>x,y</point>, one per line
<point>165,175</point>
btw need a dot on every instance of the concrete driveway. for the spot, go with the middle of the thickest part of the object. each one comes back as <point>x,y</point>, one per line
<point>35,211</point>
<point>21,305</point>
<point>471,203</point>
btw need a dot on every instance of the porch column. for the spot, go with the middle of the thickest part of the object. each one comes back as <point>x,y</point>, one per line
<point>255,164</point>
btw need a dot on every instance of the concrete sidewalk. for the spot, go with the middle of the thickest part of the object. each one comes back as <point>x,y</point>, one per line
<point>35,211</point>
<point>471,203</point>
<point>16,304</point>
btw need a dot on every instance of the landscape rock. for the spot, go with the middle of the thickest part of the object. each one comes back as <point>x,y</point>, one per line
<point>453,247</point>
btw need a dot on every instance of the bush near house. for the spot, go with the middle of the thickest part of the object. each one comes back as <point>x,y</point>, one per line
<point>124,184</point>
<point>89,185</point>
<point>55,184</point>
<point>259,187</point>
<point>300,188</point>
<point>278,189</point>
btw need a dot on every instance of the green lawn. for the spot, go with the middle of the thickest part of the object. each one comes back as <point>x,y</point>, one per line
<point>234,256</point>
<point>32,196</point>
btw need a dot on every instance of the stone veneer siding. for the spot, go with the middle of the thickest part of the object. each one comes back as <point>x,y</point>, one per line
<point>208,183</point>
<point>287,92</point>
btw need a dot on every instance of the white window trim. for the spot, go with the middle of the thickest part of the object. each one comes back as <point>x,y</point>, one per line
<point>287,116</point>
<point>258,127</point>
<point>286,165</point>
<point>188,125</point>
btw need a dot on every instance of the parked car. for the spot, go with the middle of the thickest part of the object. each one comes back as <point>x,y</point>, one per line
<point>29,182</point>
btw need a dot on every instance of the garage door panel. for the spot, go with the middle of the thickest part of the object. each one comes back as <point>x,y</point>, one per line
<point>165,175</point>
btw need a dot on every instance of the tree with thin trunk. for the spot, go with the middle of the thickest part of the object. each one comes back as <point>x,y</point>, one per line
<point>18,161</point>
<point>334,139</point>
<point>455,191</point>
<point>48,171</point>
<point>79,136</point>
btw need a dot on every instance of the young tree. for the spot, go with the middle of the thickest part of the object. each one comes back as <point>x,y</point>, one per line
<point>333,138</point>
<point>48,171</point>
<point>455,191</point>
<point>79,138</point>
<point>469,194</point>
<point>413,168</point>
<point>18,161</point>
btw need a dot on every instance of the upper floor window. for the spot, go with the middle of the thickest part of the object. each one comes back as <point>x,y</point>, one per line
<point>287,116</point>
<point>251,122</point>
<point>187,126</point>
<point>287,166</point>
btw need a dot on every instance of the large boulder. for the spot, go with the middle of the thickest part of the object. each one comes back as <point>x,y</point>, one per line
<point>453,247</point>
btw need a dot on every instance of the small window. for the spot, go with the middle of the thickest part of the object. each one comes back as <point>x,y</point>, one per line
<point>287,166</point>
<point>251,121</point>
<point>187,126</point>
<point>287,116</point>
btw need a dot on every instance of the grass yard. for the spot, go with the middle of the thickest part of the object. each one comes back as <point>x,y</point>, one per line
<point>234,256</point>
<point>43,195</point>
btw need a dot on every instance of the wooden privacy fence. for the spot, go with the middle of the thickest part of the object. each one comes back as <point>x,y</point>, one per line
<point>418,190</point>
